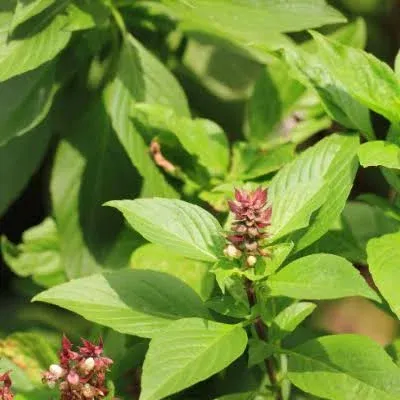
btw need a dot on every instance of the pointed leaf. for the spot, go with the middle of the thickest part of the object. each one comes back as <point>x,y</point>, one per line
<point>88,165</point>
<point>41,45</point>
<point>319,276</point>
<point>379,152</point>
<point>142,78</point>
<point>132,302</point>
<point>383,256</point>
<point>186,352</point>
<point>364,77</point>
<point>25,101</point>
<point>344,367</point>
<point>304,185</point>
<point>186,229</point>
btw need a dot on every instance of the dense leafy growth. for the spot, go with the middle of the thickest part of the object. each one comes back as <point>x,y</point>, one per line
<point>215,180</point>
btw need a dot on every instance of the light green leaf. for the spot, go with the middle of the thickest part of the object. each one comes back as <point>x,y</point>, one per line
<point>289,318</point>
<point>344,367</point>
<point>319,276</point>
<point>38,255</point>
<point>352,34</point>
<point>186,352</point>
<point>397,64</point>
<point>28,9</point>
<point>86,14</point>
<point>25,101</point>
<point>379,152</point>
<point>31,352</point>
<point>364,77</point>
<point>19,159</point>
<point>259,351</point>
<point>130,301</point>
<point>339,181</point>
<point>336,100</point>
<point>142,78</point>
<point>201,138</point>
<point>19,377</point>
<point>383,255</point>
<point>88,167</point>
<point>41,45</point>
<point>158,258</point>
<point>256,26</point>
<point>303,186</point>
<point>184,228</point>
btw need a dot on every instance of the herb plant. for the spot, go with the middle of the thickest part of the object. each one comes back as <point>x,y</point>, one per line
<point>202,173</point>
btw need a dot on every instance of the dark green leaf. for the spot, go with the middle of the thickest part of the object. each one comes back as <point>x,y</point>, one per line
<point>142,78</point>
<point>25,101</point>
<point>19,159</point>
<point>88,167</point>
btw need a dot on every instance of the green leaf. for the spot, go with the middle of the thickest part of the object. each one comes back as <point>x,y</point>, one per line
<point>349,236</point>
<point>237,396</point>
<point>184,228</point>
<point>379,152</point>
<point>227,305</point>
<point>256,26</point>
<point>42,44</point>
<point>158,258</point>
<point>19,159</point>
<point>142,78</point>
<point>186,352</point>
<point>304,185</point>
<point>19,377</point>
<point>336,100</point>
<point>30,351</point>
<point>383,255</point>
<point>28,9</point>
<point>129,301</point>
<point>25,101</point>
<point>289,318</point>
<point>319,276</point>
<point>364,77</point>
<point>86,14</point>
<point>259,351</point>
<point>38,255</point>
<point>88,166</point>
<point>201,138</point>
<point>344,367</point>
<point>251,162</point>
<point>352,34</point>
<point>339,181</point>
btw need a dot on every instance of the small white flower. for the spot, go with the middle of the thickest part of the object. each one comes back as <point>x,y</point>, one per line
<point>56,370</point>
<point>251,260</point>
<point>89,363</point>
<point>232,252</point>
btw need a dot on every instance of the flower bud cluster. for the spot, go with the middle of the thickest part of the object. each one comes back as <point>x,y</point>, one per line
<point>5,387</point>
<point>80,375</point>
<point>252,216</point>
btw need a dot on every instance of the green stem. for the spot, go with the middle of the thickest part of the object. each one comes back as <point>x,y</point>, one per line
<point>263,335</point>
